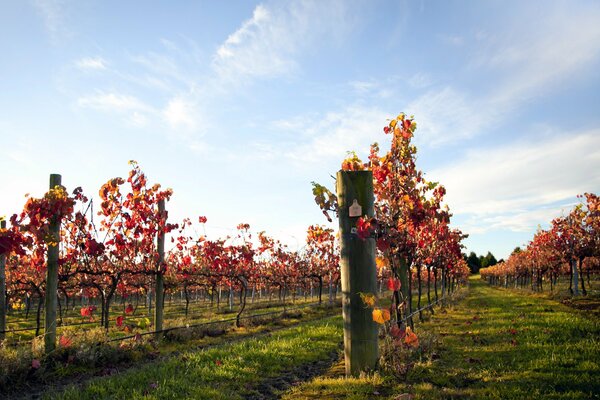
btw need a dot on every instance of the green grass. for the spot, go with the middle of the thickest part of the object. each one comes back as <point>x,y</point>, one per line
<point>495,344</point>
<point>231,371</point>
<point>84,359</point>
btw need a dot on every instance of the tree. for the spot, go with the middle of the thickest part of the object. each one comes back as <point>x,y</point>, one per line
<point>473,262</point>
<point>490,259</point>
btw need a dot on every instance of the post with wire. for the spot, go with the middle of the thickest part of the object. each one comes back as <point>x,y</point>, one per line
<point>358,270</point>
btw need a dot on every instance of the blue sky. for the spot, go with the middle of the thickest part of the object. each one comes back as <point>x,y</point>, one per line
<point>238,106</point>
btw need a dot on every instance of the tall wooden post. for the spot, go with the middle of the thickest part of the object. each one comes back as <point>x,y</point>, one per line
<point>2,289</point>
<point>160,244</point>
<point>359,274</point>
<point>52,276</point>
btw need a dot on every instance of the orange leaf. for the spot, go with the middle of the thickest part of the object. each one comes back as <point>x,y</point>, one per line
<point>380,316</point>
<point>411,339</point>
<point>65,342</point>
<point>368,299</point>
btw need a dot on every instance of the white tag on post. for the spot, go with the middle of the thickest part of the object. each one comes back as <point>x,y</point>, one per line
<point>355,209</point>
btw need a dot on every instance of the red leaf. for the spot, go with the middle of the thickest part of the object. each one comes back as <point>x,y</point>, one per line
<point>397,332</point>
<point>129,309</point>
<point>120,321</point>
<point>65,342</point>
<point>393,284</point>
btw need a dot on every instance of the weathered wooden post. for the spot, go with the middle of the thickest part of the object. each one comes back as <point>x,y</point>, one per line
<point>159,289</point>
<point>52,276</point>
<point>357,263</point>
<point>2,289</point>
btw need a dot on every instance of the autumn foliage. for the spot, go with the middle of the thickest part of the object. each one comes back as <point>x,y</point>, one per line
<point>570,247</point>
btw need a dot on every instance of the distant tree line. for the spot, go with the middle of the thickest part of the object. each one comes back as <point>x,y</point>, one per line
<point>476,262</point>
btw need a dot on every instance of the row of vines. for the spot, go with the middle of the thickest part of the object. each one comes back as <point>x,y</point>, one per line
<point>111,248</point>
<point>569,248</point>
<point>114,252</point>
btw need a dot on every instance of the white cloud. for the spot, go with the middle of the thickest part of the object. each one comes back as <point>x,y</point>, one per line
<point>519,185</point>
<point>181,113</point>
<point>447,115</point>
<point>114,102</point>
<point>163,67</point>
<point>97,63</point>
<point>260,47</point>
<point>53,14</point>
<point>266,44</point>
<point>329,137</point>
<point>541,56</point>
<point>529,61</point>
<point>294,124</point>
<point>134,111</point>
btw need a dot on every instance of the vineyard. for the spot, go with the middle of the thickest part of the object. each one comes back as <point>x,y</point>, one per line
<point>569,248</point>
<point>94,285</point>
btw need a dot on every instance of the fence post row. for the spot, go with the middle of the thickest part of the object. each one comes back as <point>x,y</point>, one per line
<point>358,271</point>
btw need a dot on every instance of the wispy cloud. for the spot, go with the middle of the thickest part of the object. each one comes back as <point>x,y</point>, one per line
<point>94,63</point>
<point>134,110</point>
<point>531,61</point>
<point>266,44</point>
<point>538,58</point>
<point>116,102</point>
<point>447,115</point>
<point>511,185</point>
<point>181,113</point>
<point>328,137</point>
<point>53,14</point>
<point>519,221</point>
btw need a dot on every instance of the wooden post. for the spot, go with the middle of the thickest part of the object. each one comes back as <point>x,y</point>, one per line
<point>575,277</point>
<point>2,290</point>
<point>160,244</point>
<point>52,277</point>
<point>359,274</point>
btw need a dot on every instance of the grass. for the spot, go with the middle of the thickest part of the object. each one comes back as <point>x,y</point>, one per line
<point>83,359</point>
<point>495,344</point>
<point>231,371</point>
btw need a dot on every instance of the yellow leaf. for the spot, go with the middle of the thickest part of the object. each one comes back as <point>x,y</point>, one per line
<point>380,316</point>
<point>368,299</point>
<point>381,262</point>
<point>393,123</point>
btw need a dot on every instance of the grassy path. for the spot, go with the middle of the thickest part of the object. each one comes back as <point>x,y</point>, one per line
<point>494,344</point>
<point>250,369</point>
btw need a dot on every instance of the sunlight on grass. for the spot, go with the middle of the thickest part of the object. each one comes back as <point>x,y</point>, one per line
<point>231,371</point>
<point>496,343</point>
